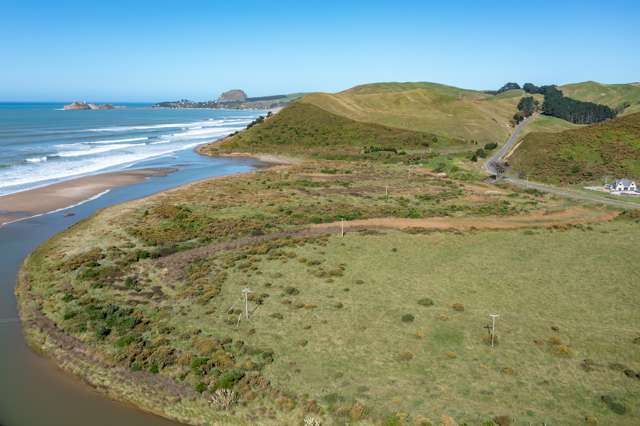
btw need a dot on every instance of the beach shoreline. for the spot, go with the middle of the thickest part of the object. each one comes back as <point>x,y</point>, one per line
<point>67,194</point>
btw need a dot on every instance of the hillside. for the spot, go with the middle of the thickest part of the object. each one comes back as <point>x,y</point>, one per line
<point>546,123</point>
<point>615,96</point>
<point>426,107</point>
<point>303,129</point>
<point>611,148</point>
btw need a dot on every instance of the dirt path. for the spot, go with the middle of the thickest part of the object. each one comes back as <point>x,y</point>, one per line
<point>573,216</point>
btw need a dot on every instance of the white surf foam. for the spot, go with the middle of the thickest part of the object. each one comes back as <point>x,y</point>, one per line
<point>207,123</point>
<point>93,151</point>
<point>116,141</point>
<point>90,157</point>
<point>36,159</point>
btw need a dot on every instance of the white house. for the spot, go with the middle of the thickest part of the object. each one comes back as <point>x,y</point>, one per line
<point>624,185</point>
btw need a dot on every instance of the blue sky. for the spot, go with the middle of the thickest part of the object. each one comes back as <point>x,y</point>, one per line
<point>159,50</point>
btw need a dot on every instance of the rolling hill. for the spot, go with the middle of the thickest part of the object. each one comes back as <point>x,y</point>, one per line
<point>616,96</point>
<point>305,130</point>
<point>426,107</point>
<point>611,148</point>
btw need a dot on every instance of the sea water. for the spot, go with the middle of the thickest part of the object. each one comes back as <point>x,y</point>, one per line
<point>40,143</point>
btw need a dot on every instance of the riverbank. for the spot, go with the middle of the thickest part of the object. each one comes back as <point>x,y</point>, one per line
<point>67,194</point>
<point>67,400</point>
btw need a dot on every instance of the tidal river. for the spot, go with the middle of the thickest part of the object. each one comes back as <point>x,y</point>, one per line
<point>33,391</point>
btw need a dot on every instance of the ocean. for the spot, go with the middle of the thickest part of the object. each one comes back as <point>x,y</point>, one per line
<point>41,144</point>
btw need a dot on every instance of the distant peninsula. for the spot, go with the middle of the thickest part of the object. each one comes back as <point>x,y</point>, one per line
<point>234,99</point>
<point>87,106</point>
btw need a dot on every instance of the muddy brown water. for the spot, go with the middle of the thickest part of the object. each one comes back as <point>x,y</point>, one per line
<point>33,391</point>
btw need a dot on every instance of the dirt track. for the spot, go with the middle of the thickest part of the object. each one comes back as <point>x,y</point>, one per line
<point>574,216</point>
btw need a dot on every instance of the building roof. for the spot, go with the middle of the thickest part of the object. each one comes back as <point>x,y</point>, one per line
<point>624,182</point>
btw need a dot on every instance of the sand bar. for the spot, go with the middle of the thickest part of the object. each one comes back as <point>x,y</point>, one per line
<point>64,194</point>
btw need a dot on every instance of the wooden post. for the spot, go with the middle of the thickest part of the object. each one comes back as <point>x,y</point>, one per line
<point>493,327</point>
<point>246,292</point>
<point>342,227</point>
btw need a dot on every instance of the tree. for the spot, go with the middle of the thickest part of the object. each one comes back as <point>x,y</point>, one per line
<point>532,88</point>
<point>508,86</point>
<point>527,106</point>
<point>558,105</point>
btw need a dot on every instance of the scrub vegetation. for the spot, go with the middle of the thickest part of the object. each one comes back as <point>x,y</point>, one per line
<point>371,281</point>
<point>586,154</point>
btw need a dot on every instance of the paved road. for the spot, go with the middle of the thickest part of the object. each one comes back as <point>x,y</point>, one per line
<point>573,194</point>
<point>495,162</point>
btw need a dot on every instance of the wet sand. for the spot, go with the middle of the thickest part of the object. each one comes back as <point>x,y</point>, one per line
<point>25,204</point>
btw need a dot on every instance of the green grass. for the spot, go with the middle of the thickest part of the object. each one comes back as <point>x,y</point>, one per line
<point>102,283</point>
<point>585,154</point>
<point>306,130</point>
<point>563,296</point>
<point>427,107</point>
<point>547,123</point>
<point>451,369</point>
<point>615,96</point>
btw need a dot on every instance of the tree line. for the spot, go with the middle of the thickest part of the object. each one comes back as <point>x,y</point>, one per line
<point>573,110</point>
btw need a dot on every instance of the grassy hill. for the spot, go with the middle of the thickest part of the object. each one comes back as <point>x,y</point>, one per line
<point>303,129</point>
<point>426,107</point>
<point>611,148</point>
<point>615,96</point>
<point>547,123</point>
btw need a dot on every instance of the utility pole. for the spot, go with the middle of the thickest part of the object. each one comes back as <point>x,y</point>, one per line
<point>493,327</point>
<point>386,192</point>
<point>246,292</point>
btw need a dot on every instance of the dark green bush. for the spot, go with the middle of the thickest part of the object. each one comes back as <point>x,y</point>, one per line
<point>407,318</point>
<point>425,301</point>
<point>229,378</point>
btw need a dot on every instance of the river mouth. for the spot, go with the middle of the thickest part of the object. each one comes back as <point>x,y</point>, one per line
<point>33,391</point>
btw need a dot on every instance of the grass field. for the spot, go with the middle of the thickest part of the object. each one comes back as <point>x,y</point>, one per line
<point>447,111</point>
<point>147,289</point>
<point>585,154</point>
<point>615,96</point>
<point>439,362</point>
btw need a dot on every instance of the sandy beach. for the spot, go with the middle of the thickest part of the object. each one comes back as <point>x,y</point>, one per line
<point>36,201</point>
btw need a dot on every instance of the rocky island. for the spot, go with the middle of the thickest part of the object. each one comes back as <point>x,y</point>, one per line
<point>87,106</point>
<point>234,99</point>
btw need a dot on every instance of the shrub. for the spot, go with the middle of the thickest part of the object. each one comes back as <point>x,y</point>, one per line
<point>201,387</point>
<point>228,379</point>
<point>407,318</point>
<point>425,301</point>
<point>223,399</point>
<point>458,307</point>
<point>615,406</point>
<point>102,332</point>
<point>490,146</point>
<point>405,356</point>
